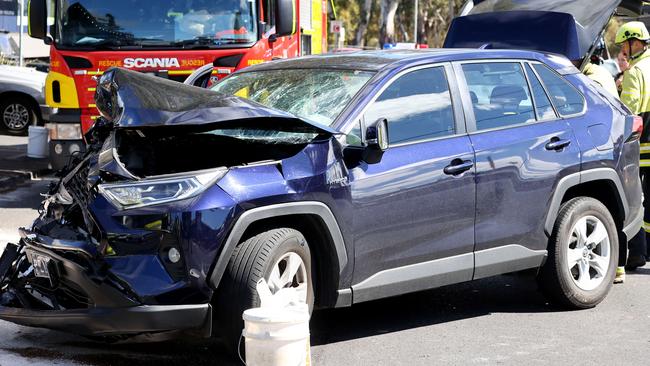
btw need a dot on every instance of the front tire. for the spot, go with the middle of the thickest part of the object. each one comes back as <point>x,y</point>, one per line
<point>582,255</point>
<point>280,256</point>
<point>17,114</point>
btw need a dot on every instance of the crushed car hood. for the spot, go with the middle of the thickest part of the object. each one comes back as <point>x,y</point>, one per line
<point>568,27</point>
<point>131,99</point>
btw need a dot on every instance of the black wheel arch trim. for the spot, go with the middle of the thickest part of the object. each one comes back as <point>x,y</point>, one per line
<point>571,180</point>
<point>283,209</point>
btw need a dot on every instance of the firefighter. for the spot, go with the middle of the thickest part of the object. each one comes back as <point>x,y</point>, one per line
<point>633,38</point>
<point>601,76</point>
<point>597,73</point>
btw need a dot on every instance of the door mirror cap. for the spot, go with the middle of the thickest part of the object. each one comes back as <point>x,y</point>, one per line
<point>37,19</point>
<point>285,18</point>
<point>200,77</point>
<point>376,141</point>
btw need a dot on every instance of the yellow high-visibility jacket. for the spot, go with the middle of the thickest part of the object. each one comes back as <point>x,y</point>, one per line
<point>600,75</point>
<point>635,92</point>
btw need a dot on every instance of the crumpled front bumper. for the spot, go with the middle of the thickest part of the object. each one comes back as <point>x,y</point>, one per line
<point>111,310</point>
<point>116,321</point>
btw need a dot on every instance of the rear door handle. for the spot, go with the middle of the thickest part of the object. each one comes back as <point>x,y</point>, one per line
<point>557,144</point>
<point>458,166</point>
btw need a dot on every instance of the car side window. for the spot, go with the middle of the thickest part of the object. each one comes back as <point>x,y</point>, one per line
<point>417,107</point>
<point>566,98</point>
<point>542,103</point>
<point>499,93</point>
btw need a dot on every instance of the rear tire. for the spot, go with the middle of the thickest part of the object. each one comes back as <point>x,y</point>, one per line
<point>582,255</point>
<point>17,114</point>
<point>251,260</point>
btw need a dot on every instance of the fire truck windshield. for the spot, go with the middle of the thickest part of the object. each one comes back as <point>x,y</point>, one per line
<point>155,24</point>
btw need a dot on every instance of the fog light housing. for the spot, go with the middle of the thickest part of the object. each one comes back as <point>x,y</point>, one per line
<point>174,255</point>
<point>74,148</point>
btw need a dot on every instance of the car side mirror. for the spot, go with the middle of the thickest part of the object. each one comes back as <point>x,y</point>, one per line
<point>376,141</point>
<point>285,18</point>
<point>200,77</point>
<point>37,19</point>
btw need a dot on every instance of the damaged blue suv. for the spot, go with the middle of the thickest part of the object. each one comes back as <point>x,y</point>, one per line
<point>338,179</point>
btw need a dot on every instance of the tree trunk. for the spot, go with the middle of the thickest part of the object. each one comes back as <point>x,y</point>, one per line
<point>366,10</point>
<point>387,21</point>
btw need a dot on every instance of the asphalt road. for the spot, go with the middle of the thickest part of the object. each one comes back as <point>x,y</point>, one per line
<point>503,320</point>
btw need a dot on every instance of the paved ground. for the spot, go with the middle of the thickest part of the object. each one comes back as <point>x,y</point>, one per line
<point>502,321</point>
<point>13,156</point>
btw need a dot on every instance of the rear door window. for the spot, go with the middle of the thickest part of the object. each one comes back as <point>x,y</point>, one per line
<point>417,107</point>
<point>542,103</point>
<point>499,93</point>
<point>566,98</point>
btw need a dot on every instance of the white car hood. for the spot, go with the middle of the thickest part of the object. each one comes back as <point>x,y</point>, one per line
<point>22,75</point>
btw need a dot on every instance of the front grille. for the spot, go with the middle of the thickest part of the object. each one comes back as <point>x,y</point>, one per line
<point>81,192</point>
<point>78,187</point>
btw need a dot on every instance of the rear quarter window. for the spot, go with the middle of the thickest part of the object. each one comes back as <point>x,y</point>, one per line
<point>565,97</point>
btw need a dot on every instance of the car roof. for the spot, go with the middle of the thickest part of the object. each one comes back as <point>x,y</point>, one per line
<point>377,60</point>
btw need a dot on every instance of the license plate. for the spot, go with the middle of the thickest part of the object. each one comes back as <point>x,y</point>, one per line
<point>40,263</point>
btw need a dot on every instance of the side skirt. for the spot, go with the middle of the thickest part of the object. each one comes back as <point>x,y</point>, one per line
<point>505,259</point>
<point>415,277</point>
<point>446,271</point>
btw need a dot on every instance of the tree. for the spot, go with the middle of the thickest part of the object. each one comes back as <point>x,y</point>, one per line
<point>372,22</point>
<point>388,9</point>
<point>364,16</point>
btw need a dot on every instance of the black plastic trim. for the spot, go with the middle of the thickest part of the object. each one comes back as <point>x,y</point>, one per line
<point>571,180</point>
<point>116,321</point>
<point>75,62</point>
<point>66,115</point>
<point>228,61</point>
<point>295,208</point>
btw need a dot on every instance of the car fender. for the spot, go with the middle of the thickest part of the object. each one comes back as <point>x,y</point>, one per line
<point>283,209</point>
<point>574,179</point>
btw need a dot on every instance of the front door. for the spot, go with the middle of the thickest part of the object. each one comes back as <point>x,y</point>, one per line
<point>414,210</point>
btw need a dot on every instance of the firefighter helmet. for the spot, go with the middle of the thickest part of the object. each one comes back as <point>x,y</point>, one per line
<point>632,30</point>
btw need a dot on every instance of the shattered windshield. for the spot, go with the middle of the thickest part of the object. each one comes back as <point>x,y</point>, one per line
<point>162,23</point>
<point>317,95</point>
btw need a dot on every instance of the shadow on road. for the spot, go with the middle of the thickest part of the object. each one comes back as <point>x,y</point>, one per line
<point>641,271</point>
<point>142,354</point>
<point>515,293</point>
<point>27,195</point>
<point>510,294</point>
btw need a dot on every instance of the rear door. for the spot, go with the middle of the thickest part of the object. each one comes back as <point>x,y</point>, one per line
<point>523,147</point>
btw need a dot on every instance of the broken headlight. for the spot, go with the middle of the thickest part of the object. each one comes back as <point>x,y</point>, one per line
<point>159,190</point>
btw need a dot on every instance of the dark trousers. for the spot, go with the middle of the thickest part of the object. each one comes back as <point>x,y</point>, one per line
<point>638,246</point>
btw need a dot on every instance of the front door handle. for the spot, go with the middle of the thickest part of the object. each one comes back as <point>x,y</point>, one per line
<point>458,166</point>
<point>557,144</point>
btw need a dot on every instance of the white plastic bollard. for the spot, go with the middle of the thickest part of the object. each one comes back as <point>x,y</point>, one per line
<point>277,334</point>
<point>37,146</point>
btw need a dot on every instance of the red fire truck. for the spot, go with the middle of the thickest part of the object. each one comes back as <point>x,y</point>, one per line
<point>168,38</point>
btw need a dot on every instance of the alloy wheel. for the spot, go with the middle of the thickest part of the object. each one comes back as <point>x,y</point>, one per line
<point>588,253</point>
<point>16,116</point>
<point>289,274</point>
